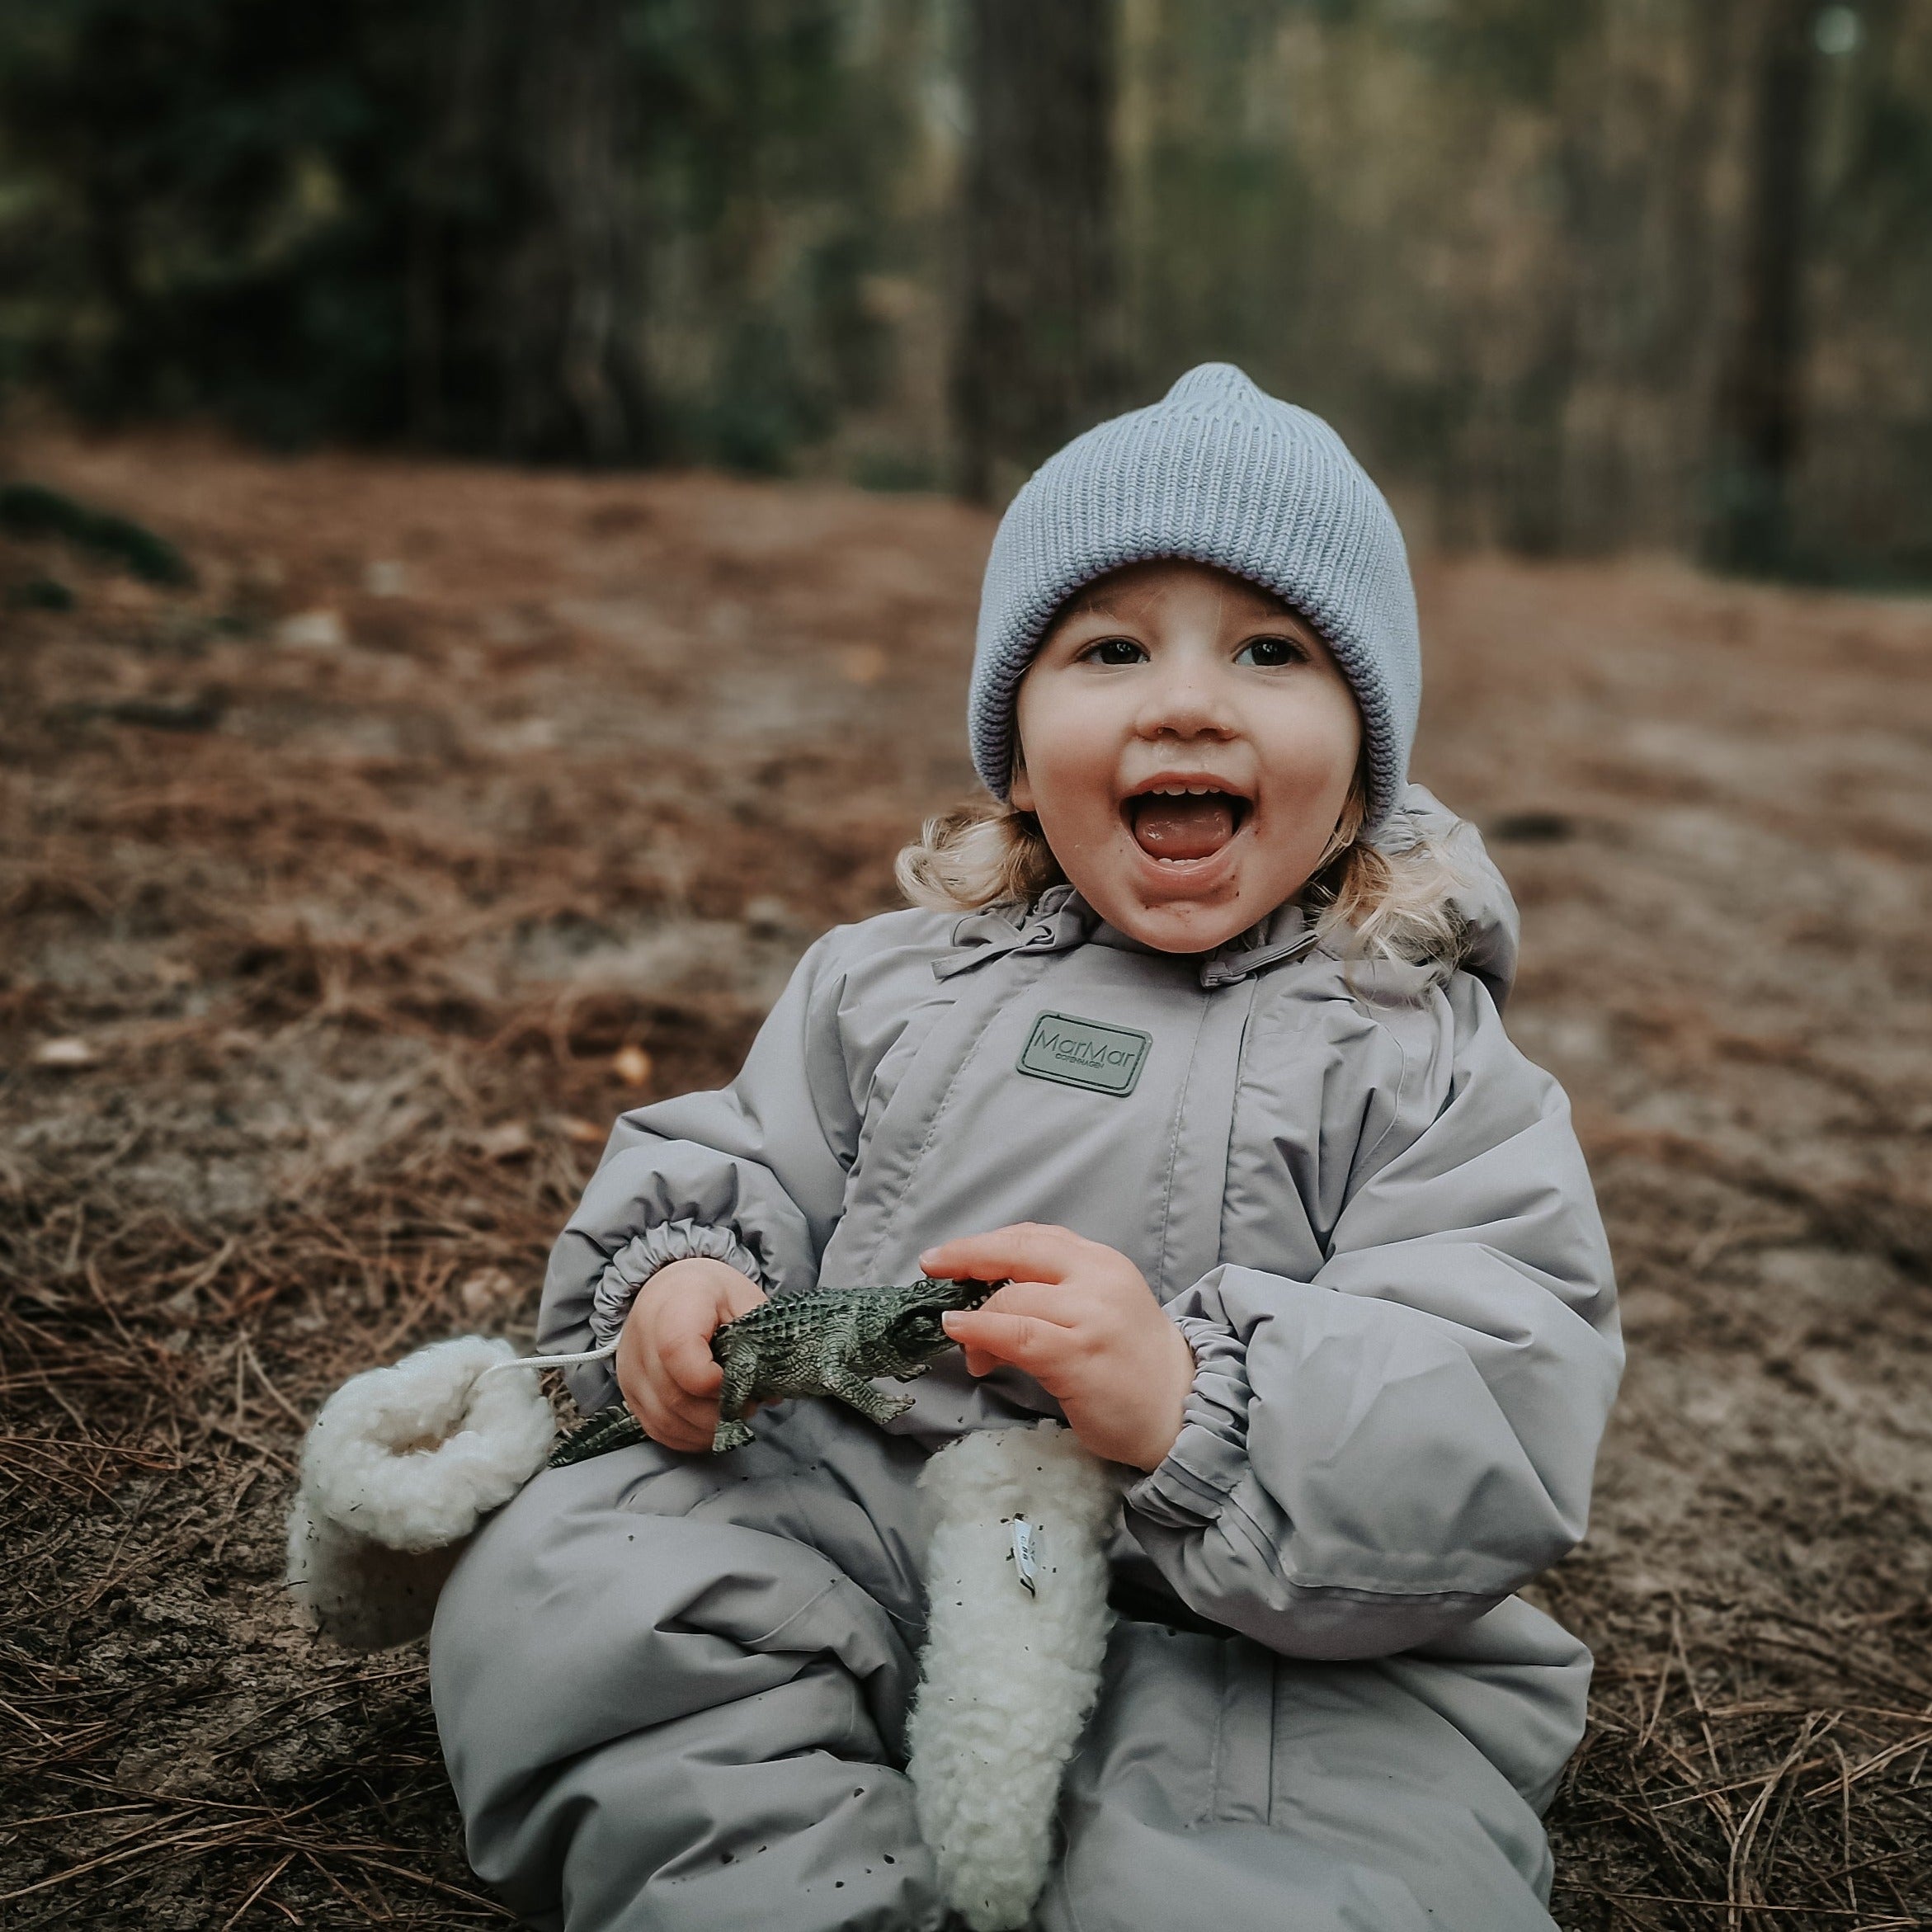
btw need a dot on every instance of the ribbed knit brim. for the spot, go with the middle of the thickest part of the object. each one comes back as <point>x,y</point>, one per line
<point>1221,472</point>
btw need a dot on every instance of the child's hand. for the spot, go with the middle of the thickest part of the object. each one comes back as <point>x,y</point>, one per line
<point>664,1364</point>
<point>1081,1320</point>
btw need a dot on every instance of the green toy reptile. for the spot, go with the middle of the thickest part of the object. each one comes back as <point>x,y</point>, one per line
<point>828,1342</point>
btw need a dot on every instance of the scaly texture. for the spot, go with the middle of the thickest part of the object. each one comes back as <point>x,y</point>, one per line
<point>828,1342</point>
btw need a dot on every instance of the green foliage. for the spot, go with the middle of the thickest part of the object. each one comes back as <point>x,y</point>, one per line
<point>1515,48</point>
<point>270,213</point>
<point>208,199</point>
<point>41,593</point>
<point>1497,241</point>
<point>772,141</point>
<point>28,510</point>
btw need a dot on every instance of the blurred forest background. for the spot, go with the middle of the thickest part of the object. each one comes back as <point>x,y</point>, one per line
<point>1573,276</point>
<point>415,750</point>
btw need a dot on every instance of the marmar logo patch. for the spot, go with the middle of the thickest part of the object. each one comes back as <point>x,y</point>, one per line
<point>1083,1052</point>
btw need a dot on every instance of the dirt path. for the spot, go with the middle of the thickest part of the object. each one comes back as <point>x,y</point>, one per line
<point>345,880</point>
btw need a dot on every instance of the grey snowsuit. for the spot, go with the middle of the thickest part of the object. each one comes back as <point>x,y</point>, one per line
<point>672,1688</point>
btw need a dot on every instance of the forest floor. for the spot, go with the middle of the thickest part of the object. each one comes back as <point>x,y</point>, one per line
<point>349,892</point>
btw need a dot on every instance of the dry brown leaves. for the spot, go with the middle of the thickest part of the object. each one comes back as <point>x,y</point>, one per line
<point>359,933</point>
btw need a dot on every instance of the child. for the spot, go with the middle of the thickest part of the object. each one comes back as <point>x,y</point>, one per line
<point>1194,1037</point>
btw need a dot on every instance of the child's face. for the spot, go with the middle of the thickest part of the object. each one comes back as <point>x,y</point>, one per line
<point>1188,746</point>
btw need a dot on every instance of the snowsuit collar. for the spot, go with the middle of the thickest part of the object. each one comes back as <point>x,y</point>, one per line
<point>1059,919</point>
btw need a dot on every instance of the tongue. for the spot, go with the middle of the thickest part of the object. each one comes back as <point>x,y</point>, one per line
<point>1183,828</point>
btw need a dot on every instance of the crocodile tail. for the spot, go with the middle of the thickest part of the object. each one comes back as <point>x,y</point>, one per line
<point>613,1428</point>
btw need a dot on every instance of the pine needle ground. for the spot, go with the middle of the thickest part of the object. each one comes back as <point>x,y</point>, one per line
<point>350,889</point>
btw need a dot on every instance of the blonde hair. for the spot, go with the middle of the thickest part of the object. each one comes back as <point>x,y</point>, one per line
<point>1366,902</point>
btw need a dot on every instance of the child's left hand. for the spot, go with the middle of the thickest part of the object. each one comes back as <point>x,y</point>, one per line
<point>1081,1320</point>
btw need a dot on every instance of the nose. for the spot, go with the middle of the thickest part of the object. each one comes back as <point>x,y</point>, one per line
<point>1185,700</point>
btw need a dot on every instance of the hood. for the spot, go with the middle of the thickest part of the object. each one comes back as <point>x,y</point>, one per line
<point>1059,918</point>
<point>1484,899</point>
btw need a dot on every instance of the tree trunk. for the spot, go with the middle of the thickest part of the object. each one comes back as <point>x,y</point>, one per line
<point>526,304</point>
<point>1036,357</point>
<point>1760,396</point>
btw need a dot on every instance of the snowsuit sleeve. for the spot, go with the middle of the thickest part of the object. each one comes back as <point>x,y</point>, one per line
<point>753,1174</point>
<point>1378,1454</point>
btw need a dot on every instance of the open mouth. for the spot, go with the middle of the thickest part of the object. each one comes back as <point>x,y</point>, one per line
<point>1179,823</point>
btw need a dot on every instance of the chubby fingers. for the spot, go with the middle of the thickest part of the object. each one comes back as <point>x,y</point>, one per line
<point>674,1425</point>
<point>669,1414</point>
<point>671,1384</point>
<point>681,1330</point>
<point>1027,1250</point>
<point>661,1398</point>
<point>1033,1342</point>
<point>689,1366</point>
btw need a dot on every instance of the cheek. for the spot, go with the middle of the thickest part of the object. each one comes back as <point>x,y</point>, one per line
<point>1067,753</point>
<point>1335,731</point>
<point>1317,747</point>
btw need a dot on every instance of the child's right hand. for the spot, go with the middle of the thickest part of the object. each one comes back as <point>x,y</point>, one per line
<point>664,1364</point>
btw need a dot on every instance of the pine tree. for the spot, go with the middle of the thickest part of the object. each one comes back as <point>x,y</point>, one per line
<point>1036,357</point>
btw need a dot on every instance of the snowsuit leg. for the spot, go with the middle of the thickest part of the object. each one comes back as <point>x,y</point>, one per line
<point>671,1690</point>
<point>1219,1784</point>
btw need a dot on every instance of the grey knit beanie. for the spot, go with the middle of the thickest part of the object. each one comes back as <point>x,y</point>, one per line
<point>1219,472</point>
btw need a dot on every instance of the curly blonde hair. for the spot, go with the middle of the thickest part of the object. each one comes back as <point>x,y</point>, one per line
<point>1367,901</point>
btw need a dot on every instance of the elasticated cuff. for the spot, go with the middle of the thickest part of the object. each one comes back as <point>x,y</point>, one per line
<point>643,1255</point>
<point>1189,1487</point>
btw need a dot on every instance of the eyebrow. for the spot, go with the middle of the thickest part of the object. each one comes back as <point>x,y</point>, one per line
<point>1278,603</point>
<point>1101,604</point>
<point>1097,605</point>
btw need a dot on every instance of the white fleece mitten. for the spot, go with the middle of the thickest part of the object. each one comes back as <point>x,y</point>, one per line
<point>1010,1672</point>
<point>397,1471</point>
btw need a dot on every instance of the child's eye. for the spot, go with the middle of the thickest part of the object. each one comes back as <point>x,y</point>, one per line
<point>1272,651</point>
<point>1114,651</point>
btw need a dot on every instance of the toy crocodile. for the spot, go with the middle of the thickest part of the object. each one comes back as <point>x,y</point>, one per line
<point>828,1342</point>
